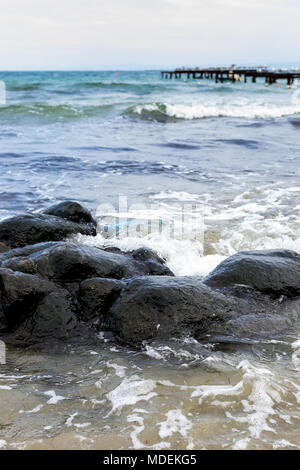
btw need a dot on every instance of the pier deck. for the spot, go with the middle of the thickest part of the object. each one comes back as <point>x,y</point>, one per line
<point>220,74</point>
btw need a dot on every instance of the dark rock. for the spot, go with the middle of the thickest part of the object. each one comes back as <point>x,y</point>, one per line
<point>152,260</point>
<point>34,309</point>
<point>254,326</point>
<point>275,272</point>
<point>31,229</point>
<point>3,248</point>
<point>66,261</point>
<point>96,296</point>
<point>62,290</point>
<point>21,264</point>
<point>154,263</point>
<point>144,254</point>
<point>72,211</point>
<point>162,307</point>
<point>55,317</point>
<point>3,324</point>
<point>48,289</point>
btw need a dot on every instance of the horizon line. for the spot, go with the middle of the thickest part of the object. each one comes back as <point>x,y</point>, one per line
<point>149,68</point>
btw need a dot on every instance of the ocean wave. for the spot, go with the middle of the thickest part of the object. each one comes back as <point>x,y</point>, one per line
<point>55,111</point>
<point>158,112</point>
<point>163,112</point>
<point>258,219</point>
<point>24,87</point>
<point>122,87</point>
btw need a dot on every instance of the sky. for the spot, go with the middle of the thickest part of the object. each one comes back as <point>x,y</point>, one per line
<point>129,34</point>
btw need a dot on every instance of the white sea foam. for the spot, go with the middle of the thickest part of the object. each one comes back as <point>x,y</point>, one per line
<point>212,391</point>
<point>259,405</point>
<point>70,419</point>
<point>165,352</point>
<point>153,352</point>
<point>283,444</point>
<point>131,391</point>
<point>296,353</point>
<point>257,219</point>
<point>242,108</point>
<point>241,444</point>
<point>3,443</point>
<point>119,370</point>
<point>258,393</point>
<point>54,398</point>
<point>70,423</point>
<point>81,425</point>
<point>176,422</point>
<point>138,427</point>
<point>34,410</point>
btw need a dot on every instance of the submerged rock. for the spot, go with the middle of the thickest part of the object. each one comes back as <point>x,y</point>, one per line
<point>274,272</point>
<point>56,224</point>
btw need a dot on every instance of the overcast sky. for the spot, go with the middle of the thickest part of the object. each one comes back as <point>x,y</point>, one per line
<point>104,34</point>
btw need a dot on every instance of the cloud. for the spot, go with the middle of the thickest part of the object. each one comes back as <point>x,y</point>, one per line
<point>185,3</point>
<point>101,33</point>
<point>240,4</point>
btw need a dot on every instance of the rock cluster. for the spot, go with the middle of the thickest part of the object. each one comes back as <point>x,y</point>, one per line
<point>54,289</point>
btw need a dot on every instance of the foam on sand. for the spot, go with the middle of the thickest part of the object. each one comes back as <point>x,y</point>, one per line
<point>131,391</point>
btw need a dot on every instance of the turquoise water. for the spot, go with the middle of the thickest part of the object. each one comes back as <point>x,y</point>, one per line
<point>232,150</point>
<point>106,129</point>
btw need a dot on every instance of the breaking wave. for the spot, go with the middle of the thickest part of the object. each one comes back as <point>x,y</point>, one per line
<point>257,219</point>
<point>163,112</point>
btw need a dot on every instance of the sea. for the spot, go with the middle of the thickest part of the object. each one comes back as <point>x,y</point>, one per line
<point>196,171</point>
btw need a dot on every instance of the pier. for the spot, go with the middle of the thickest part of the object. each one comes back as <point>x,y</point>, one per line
<point>233,74</point>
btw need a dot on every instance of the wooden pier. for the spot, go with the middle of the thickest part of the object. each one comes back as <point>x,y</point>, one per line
<point>233,74</point>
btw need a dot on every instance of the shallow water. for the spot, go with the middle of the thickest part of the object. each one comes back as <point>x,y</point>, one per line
<point>230,153</point>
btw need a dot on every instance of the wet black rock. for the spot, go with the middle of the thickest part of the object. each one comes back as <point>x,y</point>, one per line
<point>69,262</point>
<point>60,290</point>
<point>154,263</point>
<point>21,264</point>
<point>49,289</point>
<point>162,307</point>
<point>72,211</point>
<point>275,272</point>
<point>96,296</point>
<point>34,309</point>
<point>29,229</point>
<point>152,260</point>
<point>3,247</point>
<point>3,324</point>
